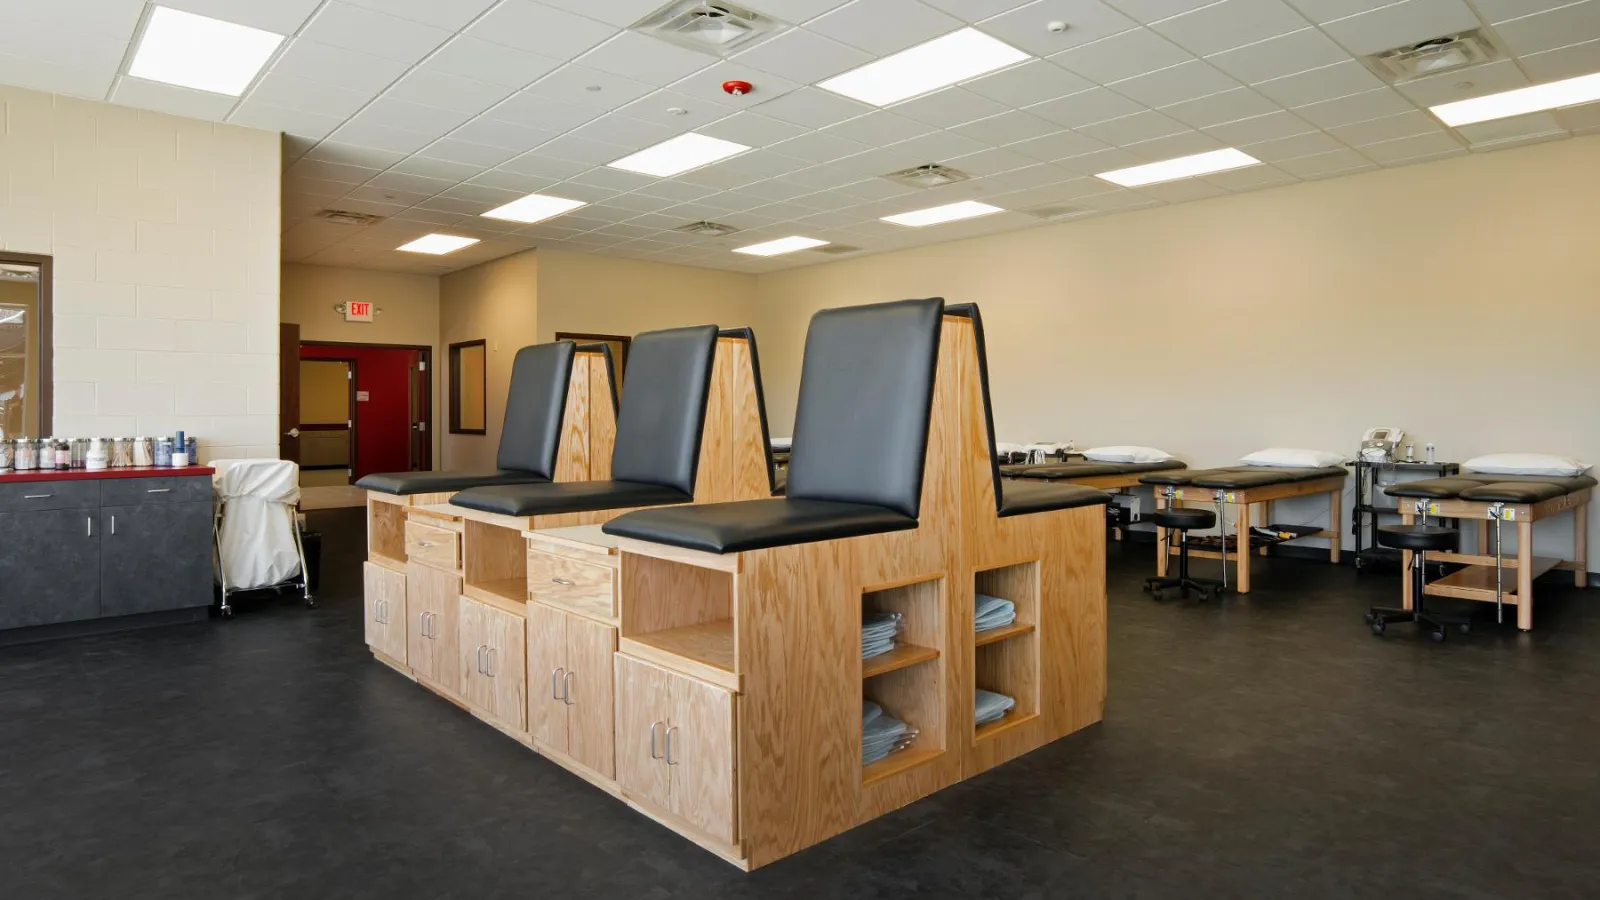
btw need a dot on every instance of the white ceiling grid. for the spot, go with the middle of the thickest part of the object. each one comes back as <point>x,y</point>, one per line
<point>430,113</point>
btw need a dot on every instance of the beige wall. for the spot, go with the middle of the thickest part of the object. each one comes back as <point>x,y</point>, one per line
<point>603,295</point>
<point>164,234</point>
<point>495,301</point>
<point>1455,299</point>
<point>410,315</point>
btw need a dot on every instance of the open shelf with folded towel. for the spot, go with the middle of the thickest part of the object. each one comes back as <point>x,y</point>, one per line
<point>907,681</point>
<point>1006,644</point>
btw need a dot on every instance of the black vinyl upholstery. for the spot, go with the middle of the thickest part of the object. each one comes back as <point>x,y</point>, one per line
<point>757,524</point>
<point>552,498</point>
<point>1427,538</point>
<point>1183,518</point>
<point>1086,469</point>
<point>1234,478</point>
<point>1486,487</point>
<point>529,439</point>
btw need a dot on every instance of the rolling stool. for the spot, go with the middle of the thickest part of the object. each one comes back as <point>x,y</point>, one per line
<point>1182,520</point>
<point>1419,539</point>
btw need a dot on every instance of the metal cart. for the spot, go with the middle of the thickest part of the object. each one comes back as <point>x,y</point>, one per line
<point>1371,505</point>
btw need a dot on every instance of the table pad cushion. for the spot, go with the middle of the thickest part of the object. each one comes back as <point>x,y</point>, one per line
<point>1071,470</point>
<point>756,524</point>
<point>1023,497</point>
<point>1492,488</point>
<point>555,498</point>
<point>405,483</point>
<point>1242,477</point>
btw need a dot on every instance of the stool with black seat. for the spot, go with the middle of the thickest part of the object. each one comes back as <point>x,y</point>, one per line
<point>1420,540</point>
<point>1183,520</point>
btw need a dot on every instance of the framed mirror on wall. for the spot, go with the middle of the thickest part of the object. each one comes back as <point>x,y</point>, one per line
<point>25,363</point>
<point>469,363</point>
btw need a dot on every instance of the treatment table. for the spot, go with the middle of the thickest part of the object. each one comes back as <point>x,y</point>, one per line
<point>1243,486</point>
<point>1107,476</point>
<point>1516,499</point>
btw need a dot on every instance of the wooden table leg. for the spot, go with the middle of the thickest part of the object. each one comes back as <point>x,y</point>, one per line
<point>1241,546</point>
<point>1334,524</point>
<point>1580,546</point>
<point>1525,576</point>
<point>1162,538</point>
<point>1406,601</point>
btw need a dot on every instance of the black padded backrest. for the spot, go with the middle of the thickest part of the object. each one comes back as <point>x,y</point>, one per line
<point>535,401</point>
<point>970,311</point>
<point>866,392</point>
<point>663,410</point>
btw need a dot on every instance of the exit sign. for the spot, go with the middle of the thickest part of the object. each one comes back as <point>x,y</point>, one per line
<point>358,311</point>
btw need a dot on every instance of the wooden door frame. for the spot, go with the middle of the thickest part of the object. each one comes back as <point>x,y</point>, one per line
<point>426,355</point>
<point>350,404</point>
<point>47,378</point>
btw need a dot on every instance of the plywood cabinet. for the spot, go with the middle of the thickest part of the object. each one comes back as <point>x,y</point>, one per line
<point>433,607</point>
<point>675,746</point>
<point>492,662</point>
<point>571,703</point>
<point>385,602</point>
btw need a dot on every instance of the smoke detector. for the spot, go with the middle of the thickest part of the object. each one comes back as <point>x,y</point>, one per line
<point>929,176</point>
<point>715,28</point>
<point>345,217</point>
<point>1430,57</point>
<point>706,229</point>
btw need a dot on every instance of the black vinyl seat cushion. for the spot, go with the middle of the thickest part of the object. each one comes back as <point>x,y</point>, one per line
<point>1020,498</point>
<point>1184,518</point>
<point>1426,538</point>
<point>1235,478</point>
<point>556,498</point>
<point>405,483</point>
<point>757,524</point>
<point>1486,487</point>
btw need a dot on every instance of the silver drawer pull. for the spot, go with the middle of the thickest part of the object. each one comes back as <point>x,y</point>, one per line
<point>564,582</point>
<point>159,491</point>
<point>424,543</point>
<point>37,496</point>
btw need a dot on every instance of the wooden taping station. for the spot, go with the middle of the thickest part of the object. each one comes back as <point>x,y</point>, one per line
<point>630,594</point>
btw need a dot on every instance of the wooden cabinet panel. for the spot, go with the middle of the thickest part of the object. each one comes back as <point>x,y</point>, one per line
<point>547,663</point>
<point>50,561</point>
<point>577,586</point>
<point>591,694</point>
<point>437,547</point>
<point>472,636</point>
<point>385,602</point>
<point>701,757</point>
<point>432,611</point>
<point>643,703</point>
<point>507,668</point>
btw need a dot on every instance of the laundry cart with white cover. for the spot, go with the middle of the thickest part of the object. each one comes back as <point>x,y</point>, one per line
<point>258,535</point>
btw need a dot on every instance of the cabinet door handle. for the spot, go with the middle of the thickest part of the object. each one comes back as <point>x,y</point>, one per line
<point>422,623</point>
<point>562,581</point>
<point>88,524</point>
<point>555,675</point>
<point>159,491</point>
<point>653,753</point>
<point>566,688</point>
<point>114,530</point>
<point>37,496</point>
<point>424,543</point>
<point>492,652</point>
<point>481,648</point>
<point>670,730</point>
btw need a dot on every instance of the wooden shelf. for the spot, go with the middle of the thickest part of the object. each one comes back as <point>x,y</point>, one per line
<point>1011,721</point>
<point>901,656</point>
<point>895,763</point>
<point>1001,633</point>
<point>707,644</point>
<point>506,593</point>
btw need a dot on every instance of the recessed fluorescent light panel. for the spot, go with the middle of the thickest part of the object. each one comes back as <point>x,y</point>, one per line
<point>201,53</point>
<point>679,155</point>
<point>1182,167</point>
<point>950,212</point>
<point>437,244</point>
<point>1540,97</point>
<point>939,63</point>
<point>781,245</point>
<point>534,208</point>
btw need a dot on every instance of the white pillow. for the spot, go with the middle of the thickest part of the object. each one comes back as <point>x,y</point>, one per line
<point>1127,454</point>
<point>1525,464</point>
<point>1289,457</point>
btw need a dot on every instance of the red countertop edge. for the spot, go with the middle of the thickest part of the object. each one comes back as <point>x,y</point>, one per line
<point>85,475</point>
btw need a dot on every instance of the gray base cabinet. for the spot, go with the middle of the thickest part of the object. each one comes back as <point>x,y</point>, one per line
<point>88,549</point>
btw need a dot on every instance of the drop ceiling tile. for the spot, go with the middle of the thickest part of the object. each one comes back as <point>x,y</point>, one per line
<point>1322,164</point>
<point>643,58</point>
<point>1120,199</point>
<point>812,107</point>
<point>415,184</point>
<point>501,133</point>
<point>380,137</point>
<point>340,24</point>
<point>1532,125</point>
<point>1034,81</point>
<point>1060,145</point>
<point>450,16</point>
<point>141,94</point>
<point>331,65</point>
<point>937,146</point>
<point>972,11</point>
<point>1122,56</point>
<point>1309,144</point>
<point>532,163</point>
<point>1328,10</point>
<point>1229,24</point>
<point>706,85</point>
<point>493,63</point>
<point>659,108</point>
<point>511,181</point>
<point>1183,191</point>
<point>288,92</point>
<point>1407,22</point>
<point>617,179</point>
<point>633,204</point>
<point>482,156</point>
<point>1250,178</point>
<point>1184,143</point>
<point>79,78</point>
<point>621,131</point>
<point>1355,108</point>
<point>1006,128</point>
<point>773,191</point>
<point>408,116</point>
<point>1549,30</point>
<point>1101,161</point>
<point>882,27</point>
<point>800,56</point>
<point>877,129</point>
<point>1216,109</point>
<point>1565,62</point>
<point>1464,84</point>
<point>452,205</point>
<point>330,171</point>
<point>589,88</point>
<point>539,29</point>
<point>278,17</point>
<point>1148,11</point>
<point>948,108</point>
<point>1260,128</point>
<point>1581,119</point>
<point>332,151</point>
<point>1389,152</point>
<point>553,115</point>
<point>1186,81</point>
<point>445,91</point>
<point>752,129</point>
<point>1317,85</point>
<point>820,147</point>
<point>482,193</point>
<point>620,13</point>
<point>1496,11</point>
<point>1086,107</point>
<point>1283,55</point>
<point>289,121</point>
<point>583,150</point>
<point>1087,20</point>
<point>984,162</point>
<point>1143,126</point>
<point>1388,128</point>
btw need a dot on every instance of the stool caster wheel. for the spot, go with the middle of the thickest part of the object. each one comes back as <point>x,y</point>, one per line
<point>1370,618</point>
<point>1377,626</point>
<point>1156,596</point>
<point>1464,628</point>
<point>311,603</point>
<point>1438,636</point>
<point>227,612</point>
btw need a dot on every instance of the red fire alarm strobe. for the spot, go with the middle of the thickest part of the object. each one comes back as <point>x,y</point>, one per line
<point>737,88</point>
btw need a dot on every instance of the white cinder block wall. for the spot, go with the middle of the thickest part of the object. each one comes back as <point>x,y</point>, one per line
<point>164,235</point>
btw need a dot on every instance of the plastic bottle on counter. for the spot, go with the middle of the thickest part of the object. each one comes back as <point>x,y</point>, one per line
<point>192,446</point>
<point>80,449</point>
<point>26,457</point>
<point>163,454</point>
<point>180,450</point>
<point>63,454</point>
<point>96,458</point>
<point>144,452</point>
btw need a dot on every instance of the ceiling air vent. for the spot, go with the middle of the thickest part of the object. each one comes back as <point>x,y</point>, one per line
<point>345,217</point>
<point>931,175</point>
<point>715,28</point>
<point>708,229</point>
<point>836,249</point>
<point>1431,57</point>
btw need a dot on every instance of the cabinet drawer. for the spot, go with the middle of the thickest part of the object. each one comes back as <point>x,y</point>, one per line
<point>437,547</point>
<point>585,589</point>
<point>136,491</point>
<point>49,495</point>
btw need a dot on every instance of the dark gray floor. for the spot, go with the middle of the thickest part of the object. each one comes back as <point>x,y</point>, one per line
<point>1264,747</point>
